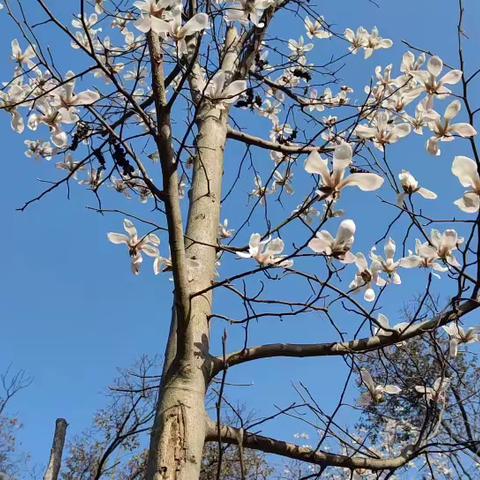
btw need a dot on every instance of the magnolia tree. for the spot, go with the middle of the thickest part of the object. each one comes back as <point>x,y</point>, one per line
<point>193,109</point>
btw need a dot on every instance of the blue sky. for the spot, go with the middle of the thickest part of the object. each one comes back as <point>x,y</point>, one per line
<point>72,313</point>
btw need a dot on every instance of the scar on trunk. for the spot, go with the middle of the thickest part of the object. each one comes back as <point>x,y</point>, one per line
<point>174,449</point>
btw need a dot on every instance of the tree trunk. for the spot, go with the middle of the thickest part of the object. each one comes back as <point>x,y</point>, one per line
<point>56,452</point>
<point>179,430</point>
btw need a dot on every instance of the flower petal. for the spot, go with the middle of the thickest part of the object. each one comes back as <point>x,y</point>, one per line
<point>465,130</point>
<point>275,247</point>
<point>435,65</point>
<point>452,77</point>
<point>150,250</point>
<point>412,261</point>
<point>453,110</point>
<point>469,203</point>
<point>366,182</point>
<point>117,238</point>
<point>466,170</point>
<point>233,90</point>
<point>342,156</point>
<point>159,26</point>
<point>428,194</point>
<point>369,295</point>
<point>129,227</point>
<point>392,389</point>
<point>316,164</point>
<point>346,231</point>
<point>143,24</point>
<point>197,23</point>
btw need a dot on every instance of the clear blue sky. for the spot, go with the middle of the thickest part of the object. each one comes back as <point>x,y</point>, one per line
<point>71,310</point>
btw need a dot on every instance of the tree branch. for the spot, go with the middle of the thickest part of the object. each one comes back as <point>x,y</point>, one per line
<point>361,345</point>
<point>168,163</point>
<point>231,435</point>
<point>277,147</point>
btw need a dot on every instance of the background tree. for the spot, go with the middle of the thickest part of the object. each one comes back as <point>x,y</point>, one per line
<point>162,93</point>
<point>114,445</point>
<point>11,458</point>
<point>420,362</point>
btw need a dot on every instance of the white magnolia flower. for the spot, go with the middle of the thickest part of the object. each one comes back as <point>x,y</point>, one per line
<point>10,101</point>
<point>139,76</point>
<point>178,32</point>
<point>315,102</point>
<point>221,94</point>
<point>384,329</point>
<point>332,182</point>
<point>365,278</point>
<point>23,59</point>
<point>280,131</point>
<point>425,256</point>
<point>360,474</point>
<point>280,157</point>
<point>382,130</point>
<point>445,243</point>
<point>301,436</point>
<point>465,169</point>
<point>341,98</point>
<point>410,186</point>
<point>315,29</point>
<point>66,100</point>
<point>141,188</point>
<point>420,120</point>
<point>182,186</point>
<point>259,191</point>
<point>136,246</point>
<point>299,48</point>
<point>410,64</point>
<point>270,110</point>
<point>307,214</point>
<point>460,336</point>
<point>246,11</point>
<point>357,39</point>
<point>70,165</point>
<point>89,21</point>
<point>376,42</point>
<point>376,393</point>
<point>50,116</point>
<point>283,182</point>
<point>122,22</point>
<point>386,264</point>
<point>151,12</point>
<point>400,99</point>
<point>330,121</point>
<point>436,393</point>
<point>329,210</point>
<point>368,41</point>
<point>162,264</point>
<point>386,84</point>
<point>266,252</point>
<point>338,247</point>
<point>444,130</point>
<point>94,179</point>
<point>114,69</point>
<point>430,82</point>
<point>39,149</point>
<point>99,7</point>
<point>120,186</point>
<point>224,231</point>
